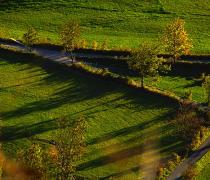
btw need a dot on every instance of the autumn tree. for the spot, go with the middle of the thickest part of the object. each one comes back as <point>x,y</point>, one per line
<point>176,40</point>
<point>206,87</point>
<point>187,123</point>
<point>34,160</point>
<point>146,62</point>
<point>70,34</point>
<point>29,38</point>
<point>70,146</point>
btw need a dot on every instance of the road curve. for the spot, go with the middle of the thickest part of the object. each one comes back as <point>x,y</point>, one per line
<point>197,155</point>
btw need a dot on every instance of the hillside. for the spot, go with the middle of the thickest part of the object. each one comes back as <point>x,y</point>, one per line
<point>124,23</point>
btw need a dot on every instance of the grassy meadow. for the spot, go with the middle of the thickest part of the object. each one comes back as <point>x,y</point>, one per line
<point>127,128</point>
<point>124,23</point>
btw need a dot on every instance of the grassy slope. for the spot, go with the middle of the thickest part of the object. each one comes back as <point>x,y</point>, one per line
<point>124,124</point>
<point>122,22</point>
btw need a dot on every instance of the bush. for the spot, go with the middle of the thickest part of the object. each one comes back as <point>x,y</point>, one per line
<point>83,44</point>
<point>164,172</point>
<point>95,45</point>
<point>187,123</point>
<point>34,159</point>
<point>188,95</point>
<point>199,138</point>
<point>190,174</point>
<point>104,45</point>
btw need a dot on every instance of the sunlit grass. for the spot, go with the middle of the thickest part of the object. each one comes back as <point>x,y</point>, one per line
<point>123,123</point>
<point>123,23</point>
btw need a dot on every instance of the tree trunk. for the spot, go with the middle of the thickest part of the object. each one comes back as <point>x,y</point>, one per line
<point>142,82</point>
<point>174,57</point>
<point>72,58</point>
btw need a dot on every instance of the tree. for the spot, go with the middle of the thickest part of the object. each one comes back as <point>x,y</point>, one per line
<point>30,37</point>
<point>70,34</point>
<point>187,123</point>
<point>176,40</point>
<point>70,146</point>
<point>206,86</point>
<point>33,158</point>
<point>146,62</point>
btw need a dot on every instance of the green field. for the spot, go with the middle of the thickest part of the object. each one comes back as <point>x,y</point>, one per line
<point>172,81</point>
<point>127,129</point>
<point>124,23</point>
<point>204,175</point>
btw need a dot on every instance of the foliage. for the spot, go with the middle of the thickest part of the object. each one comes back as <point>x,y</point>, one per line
<point>187,123</point>
<point>199,138</point>
<point>70,146</point>
<point>70,34</point>
<point>34,158</point>
<point>95,45</point>
<point>206,87</point>
<point>84,44</point>
<point>146,62</point>
<point>30,37</point>
<point>165,170</point>
<point>104,45</point>
<point>188,95</point>
<point>190,174</point>
<point>176,39</point>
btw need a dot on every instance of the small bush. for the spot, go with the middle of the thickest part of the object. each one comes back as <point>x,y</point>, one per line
<point>164,172</point>
<point>188,95</point>
<point>104,45</point>
<point>95,45</point>
<point>83,44</point>
<point>190,174</point>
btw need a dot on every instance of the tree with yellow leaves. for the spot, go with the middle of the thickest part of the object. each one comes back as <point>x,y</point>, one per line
<point>176,40</point>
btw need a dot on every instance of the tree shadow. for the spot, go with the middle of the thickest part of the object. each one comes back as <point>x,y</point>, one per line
<point>166,144</point>
<point>24,131</point>
<point>78,88</point>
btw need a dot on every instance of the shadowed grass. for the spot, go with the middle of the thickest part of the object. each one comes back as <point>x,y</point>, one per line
<point>123,123</point>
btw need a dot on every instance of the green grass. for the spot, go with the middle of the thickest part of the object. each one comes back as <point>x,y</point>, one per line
<point>173,82</point>
<point>123,22</point>
<point>204,175</point>
<point>180,85</point>
<point>127,129</point>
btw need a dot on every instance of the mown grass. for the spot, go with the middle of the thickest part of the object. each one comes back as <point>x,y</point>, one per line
<point>128,130</point>
<point>124,23</point>
<point>174,82</point>
<point>204,175</point>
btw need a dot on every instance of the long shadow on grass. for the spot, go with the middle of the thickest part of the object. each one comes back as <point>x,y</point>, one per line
<point>78,87</point>
<point>24,131</point>
<point>128,130</point>
<point>163,144</point>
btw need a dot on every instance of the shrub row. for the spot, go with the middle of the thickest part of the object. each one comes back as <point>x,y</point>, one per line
<point>106,74</point>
